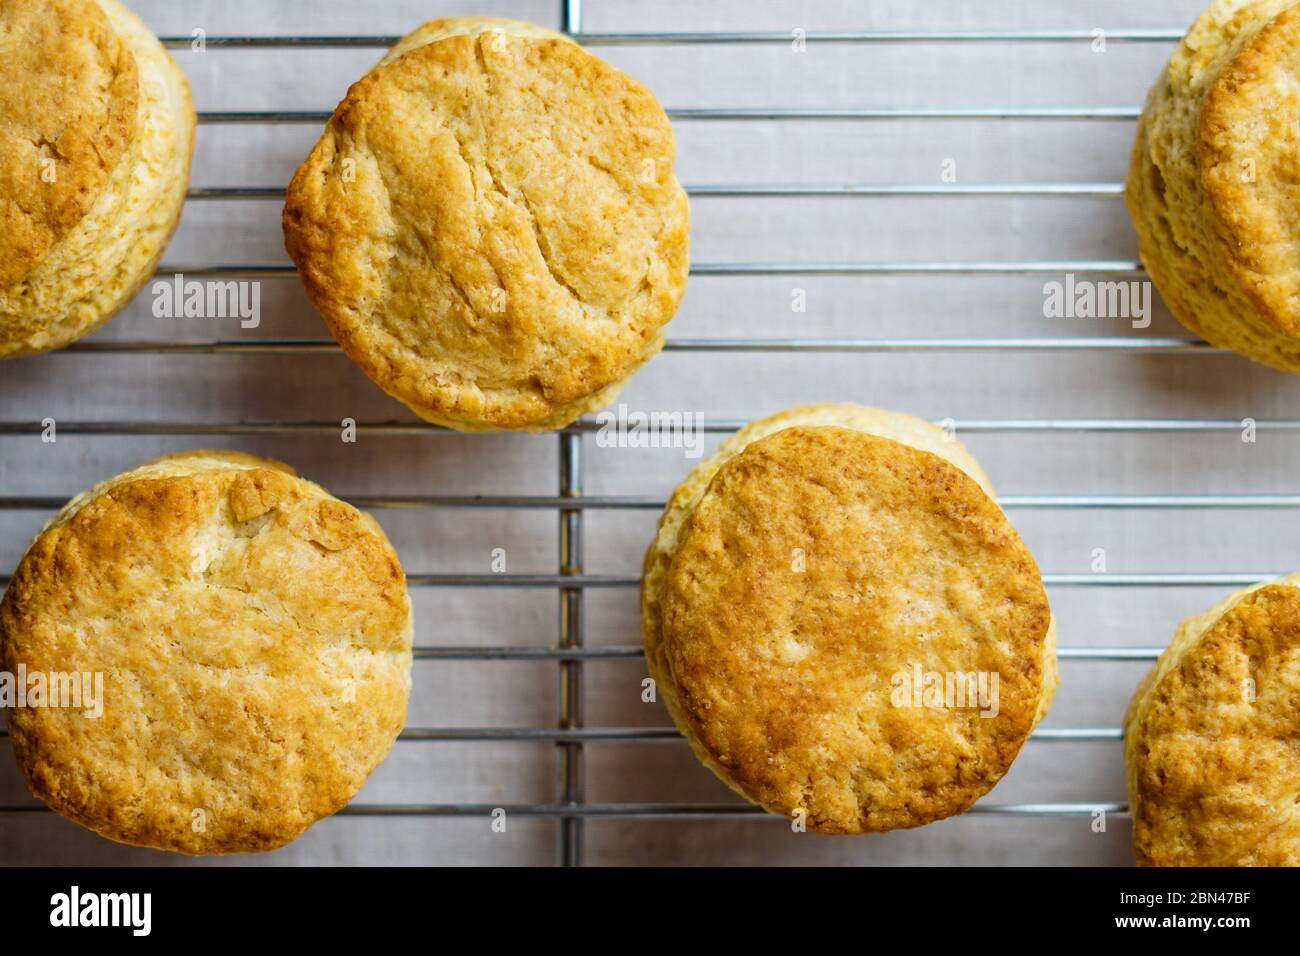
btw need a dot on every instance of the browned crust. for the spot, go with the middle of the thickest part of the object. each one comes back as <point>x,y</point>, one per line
<point>1211,184</point>
<point>512,239</point>
<point>1244,119</point>
<point>781,677</point>
<point>69,93</point>
<point>254,639</point>
<point>1212,735</point>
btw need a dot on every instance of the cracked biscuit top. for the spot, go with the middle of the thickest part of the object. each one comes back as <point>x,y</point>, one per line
<point>491,225</point>
<point>1211,737</point>
<point>69,92</point>
<point>254,639</point>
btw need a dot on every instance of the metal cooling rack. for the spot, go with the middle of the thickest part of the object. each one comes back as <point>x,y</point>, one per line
<point>569,652</point>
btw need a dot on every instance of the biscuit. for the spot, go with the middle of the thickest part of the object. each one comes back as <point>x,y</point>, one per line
<point>96,133</point>
<point>802,575</point>
<point>1210,186</point>
<point>1210,737</point>
<point>491,226</point>
<point>254,637</point>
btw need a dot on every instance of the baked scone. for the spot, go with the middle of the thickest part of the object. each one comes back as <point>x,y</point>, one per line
<point>96,133</point>
<point>491,226</point>
<point>254,637</point>
<point>1211,186</point>
<point>1210,737</point>
<point>803,577</point>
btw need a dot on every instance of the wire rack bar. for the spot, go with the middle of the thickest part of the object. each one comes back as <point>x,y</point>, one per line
<point>670,734</point>
<point>701,810</point>
<point>631,503</point>
<point>1171,344</point>
<point>770,191</point>
<point>705,810</point>
<point>890,113</point>
<point>1108,653</point>
<point>592,581</point>
<point>1137,579</point>
<point>764,114</point>
<point>528,653</point>
<point>627,652</point>
<point>571,17</point>
<point>568,736</point>
<point>722,426</point>
<point>627,811</point>
<point>1124,35</point>
<point>1118,267</point>
<point>1117,579</point>
<point>633,652</point>
<point>572,768</point>
<point>719,38</point>
<point>1182,345</point>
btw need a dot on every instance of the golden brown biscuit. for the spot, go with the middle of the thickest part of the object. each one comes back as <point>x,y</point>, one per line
<point>254,637</point>
<point>491,226</point>
<point>1210,737</point>
<point>96,133</point>
<point>1210,188</point>
<point>803,578</point>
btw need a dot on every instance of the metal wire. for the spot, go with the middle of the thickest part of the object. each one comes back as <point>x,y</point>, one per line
<point>722,426</point>
<point>1180,345</point>
<point>630,503</point>
<point>573,737</point>
<point>573,582</point>
<point>571,653</point>
<point>794,191</point>
<point>1116,267</point>
<point>634,811</point>
<point>720,38</point>
<point>764,114</point>
<point>572,783</point>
